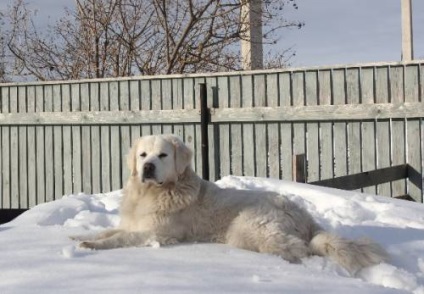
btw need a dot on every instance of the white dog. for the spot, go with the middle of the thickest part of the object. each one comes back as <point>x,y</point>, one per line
<point>165,202</point>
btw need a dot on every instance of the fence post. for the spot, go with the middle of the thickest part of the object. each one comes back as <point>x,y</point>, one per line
<point>204,121</point>
<point>299,168</point>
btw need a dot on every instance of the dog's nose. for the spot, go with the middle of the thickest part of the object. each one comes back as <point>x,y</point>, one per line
<point>149,170</point>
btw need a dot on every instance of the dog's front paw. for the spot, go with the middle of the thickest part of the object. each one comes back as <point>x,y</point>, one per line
<point>87,245</point>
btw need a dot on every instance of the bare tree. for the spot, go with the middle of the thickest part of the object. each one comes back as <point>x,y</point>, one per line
<point>111,38</point>
<point>3,77</point>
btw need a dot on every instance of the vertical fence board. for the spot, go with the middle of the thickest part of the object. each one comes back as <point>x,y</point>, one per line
<point>247,129</point>
<point>178,103</point>
<point>76,141</point>
<point>298,100</point>
<point>115,152</point>
<point>156,93</point>
<point>105,140</point>
<point>398,143</point>
<point>273,130</point>
<point>368,146</point>
<point>224,129</point>
<point>67,142</point>
<point>413,126</point>
<point>57,145</point>
<point>48,146</point>
<point>340,133</point>
<point>14,152</point>
<point>213,130</point>
<point>236,135</point>
<point>135,100</point>
<point>312,141</point>
<point>125,140</point>
<point>5,152</point>
<point>326,128</point>
<point>40,151</point>
<point>167,102</point>
<point>286,149</point>
<point>32,162</point>
<point>197,130</point>
<point>86,142</point>
<point>260,132</point>
<point>23,155</point>
<point>383,127</point>
<point>189,98</point>
<point>146,104</point>
<point>95,141</point>
<point>353,128</point>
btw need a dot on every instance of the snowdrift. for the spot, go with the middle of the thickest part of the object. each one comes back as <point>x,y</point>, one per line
<point>36,255</point>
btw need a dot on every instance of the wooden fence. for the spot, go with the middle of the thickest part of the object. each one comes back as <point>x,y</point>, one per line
<point>68,137</point>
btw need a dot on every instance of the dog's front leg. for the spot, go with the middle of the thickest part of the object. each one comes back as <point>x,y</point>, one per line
<point>129,239</point>
<point>102,235</point>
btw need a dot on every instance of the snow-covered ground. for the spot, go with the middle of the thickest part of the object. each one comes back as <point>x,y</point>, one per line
<point>36,255</point>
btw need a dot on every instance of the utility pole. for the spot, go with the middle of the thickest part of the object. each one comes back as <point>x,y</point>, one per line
<point>407,35</point>
<point>251,39</point>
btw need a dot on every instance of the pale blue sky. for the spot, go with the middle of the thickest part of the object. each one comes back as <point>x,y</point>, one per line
<point>336,31</point>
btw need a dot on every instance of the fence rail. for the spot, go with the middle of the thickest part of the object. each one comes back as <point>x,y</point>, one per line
<point>68,137</point>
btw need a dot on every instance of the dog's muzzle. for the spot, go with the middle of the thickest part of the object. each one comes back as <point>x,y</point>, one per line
<point>148,172</point>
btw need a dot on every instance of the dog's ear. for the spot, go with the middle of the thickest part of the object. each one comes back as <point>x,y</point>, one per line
<point>183,154</point>
<point>132,158</point>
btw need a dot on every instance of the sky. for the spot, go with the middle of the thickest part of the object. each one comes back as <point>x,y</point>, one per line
<point>335,32</point>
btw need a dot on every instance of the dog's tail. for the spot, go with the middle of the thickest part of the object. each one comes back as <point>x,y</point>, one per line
<point>353,255</point>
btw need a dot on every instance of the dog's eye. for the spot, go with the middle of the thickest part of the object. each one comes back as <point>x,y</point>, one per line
<point>163,155</point>
<point>143,154</point>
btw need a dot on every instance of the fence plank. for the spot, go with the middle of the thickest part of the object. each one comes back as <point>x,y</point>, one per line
<point>326,128</point>
<point>94,93</point>
<point>125,133</point>
<point>146,104</point>
<point>23,155</point>
<point>224,129</point>
<point>31,147</point>
<point>398,143</point>
<point>135,100</point>
<point>273,129</point>
<point>5,152</point>
<point>197,127</point>
<point>58,145</point>
<point>14,152</point>
<point>188,102</point>
<point>48,146</point>
<point>67,142</point>
<point>86,142</point>
<point>353,128</point>
<point>312,141</point>
<point>383,127</point>
<point>76,141</point>
<point>414,150</point>
<point>247,129</point>
<point>298,100</point>
<point>40,159</point>
<point>260,131</point>
<point>236,135</point>
<point>368,146</point>
<point>105,140</point>
<point>286,149</point>
<point>339,128</point>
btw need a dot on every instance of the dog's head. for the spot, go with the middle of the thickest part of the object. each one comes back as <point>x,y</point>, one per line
<point>158,159</point>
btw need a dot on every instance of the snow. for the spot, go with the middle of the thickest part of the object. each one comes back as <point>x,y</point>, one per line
<point>36,255</point>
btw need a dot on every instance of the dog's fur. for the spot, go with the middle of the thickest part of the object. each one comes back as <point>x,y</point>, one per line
<point>165,202</point>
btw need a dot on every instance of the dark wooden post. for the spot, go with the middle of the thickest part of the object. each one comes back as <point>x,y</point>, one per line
<point>204,121</point>
<point>299,168</point>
